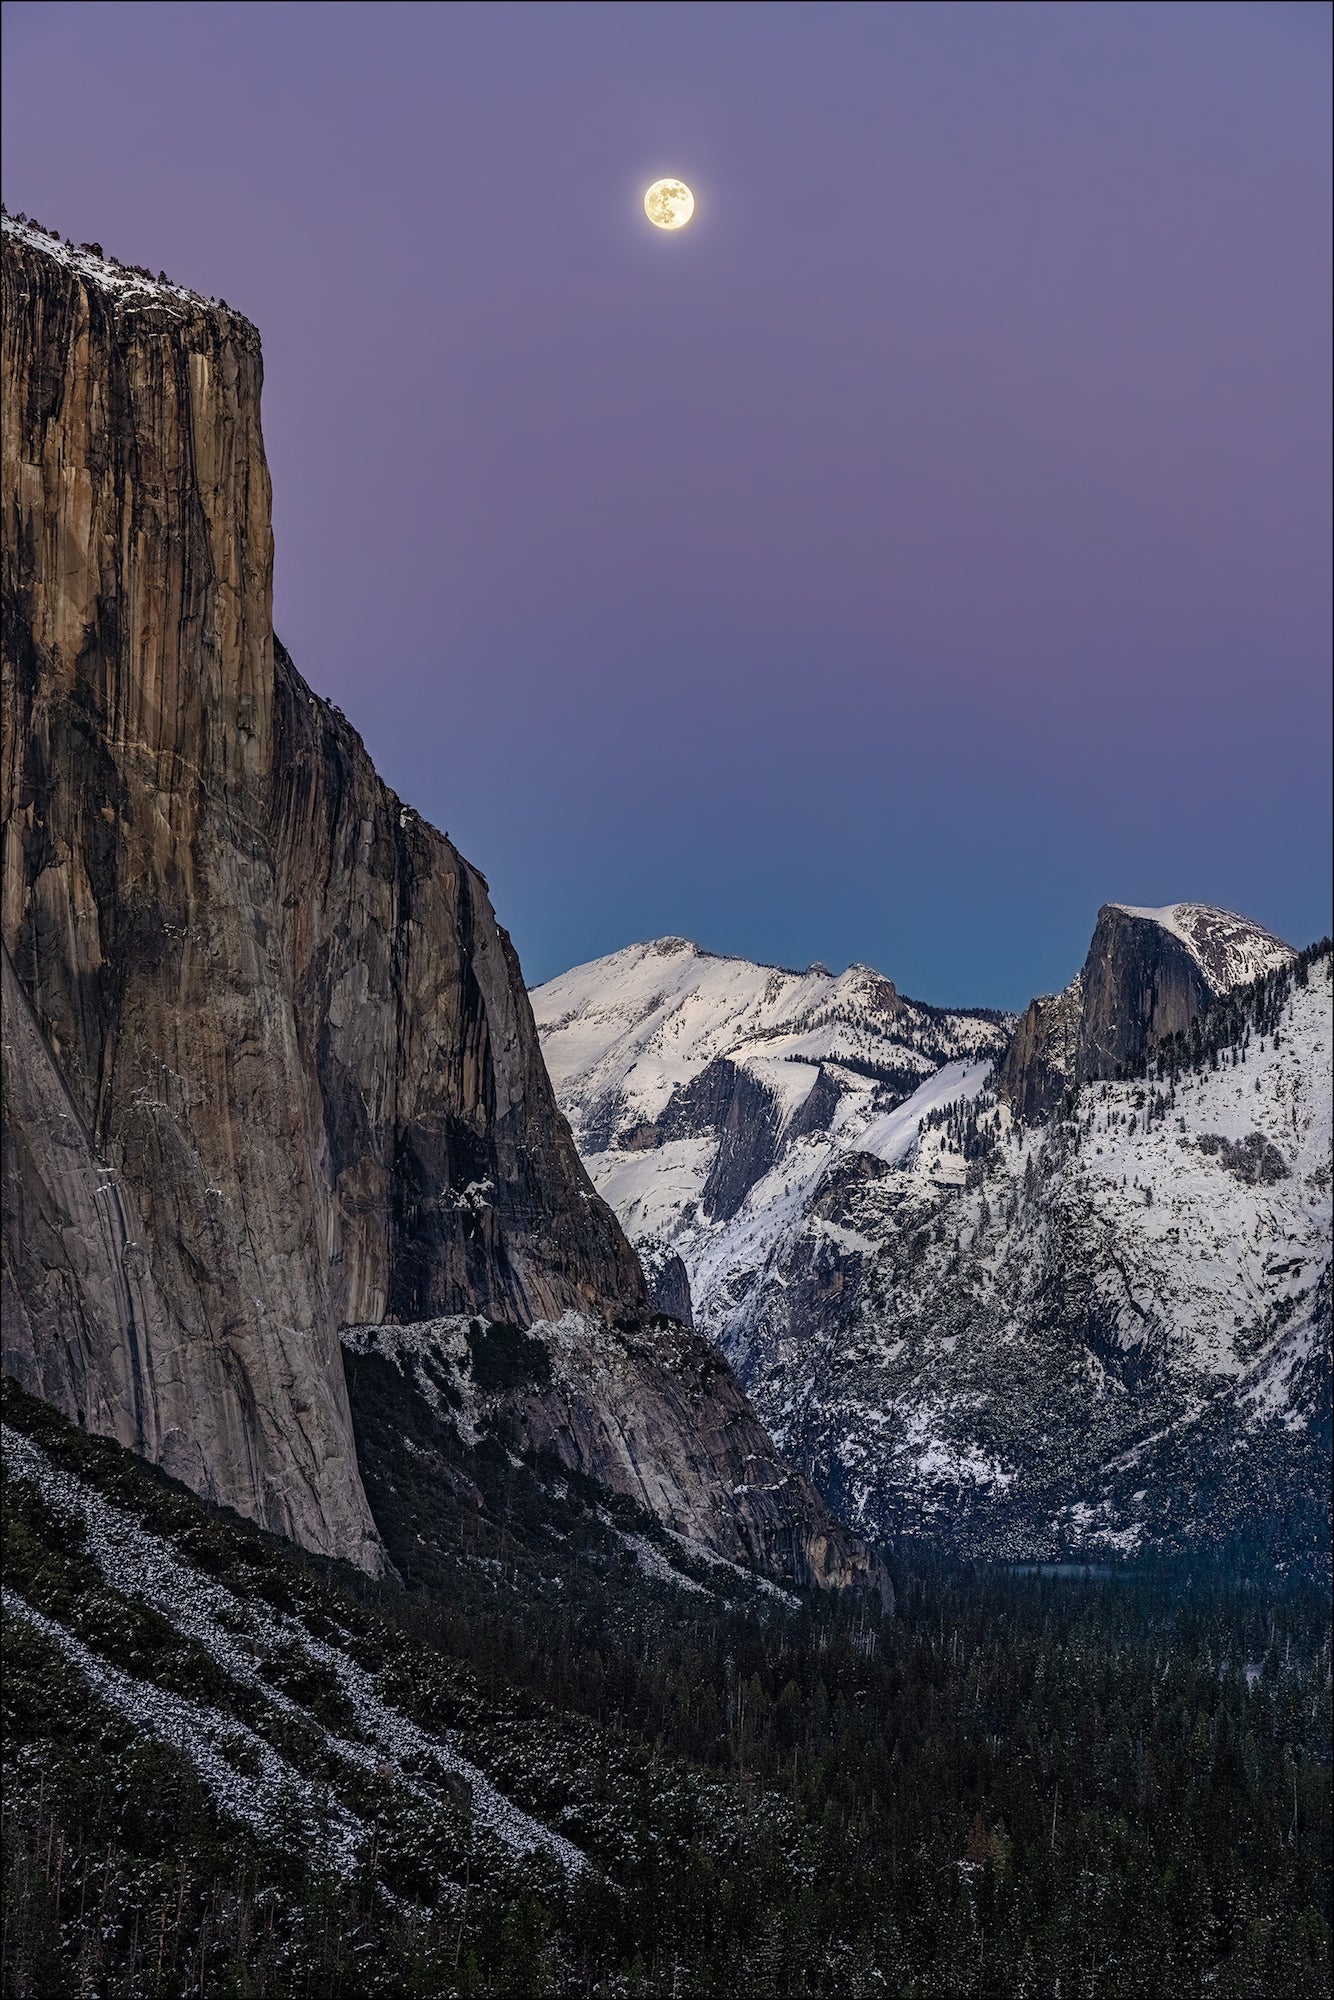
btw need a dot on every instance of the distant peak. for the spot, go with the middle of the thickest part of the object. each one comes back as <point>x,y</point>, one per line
<point>670,947</point>
<point>1170,914</point>
<point>1229,949</point>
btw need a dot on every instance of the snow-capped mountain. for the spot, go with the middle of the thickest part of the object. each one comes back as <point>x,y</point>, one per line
<point>708,1095</point>
<point>1075,1297</point>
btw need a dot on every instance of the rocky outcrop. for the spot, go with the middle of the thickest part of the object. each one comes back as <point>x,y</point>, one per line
<point>816,1114</point>
<point>749,1122</point>
<point>1148,974</point>
<point>652,1413</point>
<point>1038,1068</point>
<point>270,1065</point>
<point>669,1288</point>
<point>726,1100</point>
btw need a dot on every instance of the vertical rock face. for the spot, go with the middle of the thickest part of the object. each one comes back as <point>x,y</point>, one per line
<point>451,1180</point>
<point>1148,974</point>
<point>270,1063</point>
<point>669,1285</point>
<point>138,905</point>
<point>270,1067</point>
<point>1038,1067</point>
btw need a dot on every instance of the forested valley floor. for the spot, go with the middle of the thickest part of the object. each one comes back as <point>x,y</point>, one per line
<point>1016,1784</point>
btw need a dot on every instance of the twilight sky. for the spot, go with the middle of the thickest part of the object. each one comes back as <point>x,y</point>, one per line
<point>928,544</point>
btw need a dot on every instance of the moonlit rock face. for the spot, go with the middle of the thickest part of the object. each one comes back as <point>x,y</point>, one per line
<point>669,204</point>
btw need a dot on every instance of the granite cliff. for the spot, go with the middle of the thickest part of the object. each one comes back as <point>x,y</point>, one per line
<point>1148,975</point>
<point>270,1067</point>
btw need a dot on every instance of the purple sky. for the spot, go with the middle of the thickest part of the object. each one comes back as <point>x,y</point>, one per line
<point>927,545</point>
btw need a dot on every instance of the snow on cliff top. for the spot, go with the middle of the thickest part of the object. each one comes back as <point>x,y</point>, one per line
<point>1229,950</point>
<point>128,285</point>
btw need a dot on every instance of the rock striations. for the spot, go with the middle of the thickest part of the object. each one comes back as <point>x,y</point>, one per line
<point>270,1066</point>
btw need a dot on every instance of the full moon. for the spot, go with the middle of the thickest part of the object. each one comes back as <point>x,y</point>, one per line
<point>669,204</point>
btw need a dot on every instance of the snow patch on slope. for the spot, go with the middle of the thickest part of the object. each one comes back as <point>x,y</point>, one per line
<point>141,1565</point>
<point>205,1737</point>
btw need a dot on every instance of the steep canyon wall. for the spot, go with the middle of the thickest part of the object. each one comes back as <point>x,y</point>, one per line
<point>270,1067</point>
<point>266,1011</point>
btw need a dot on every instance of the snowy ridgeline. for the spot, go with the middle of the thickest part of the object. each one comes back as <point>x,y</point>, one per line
<point>955,1321</point>
<point>648,1050</point>
<point>1107,1299</point>
<point>620,1035</point>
